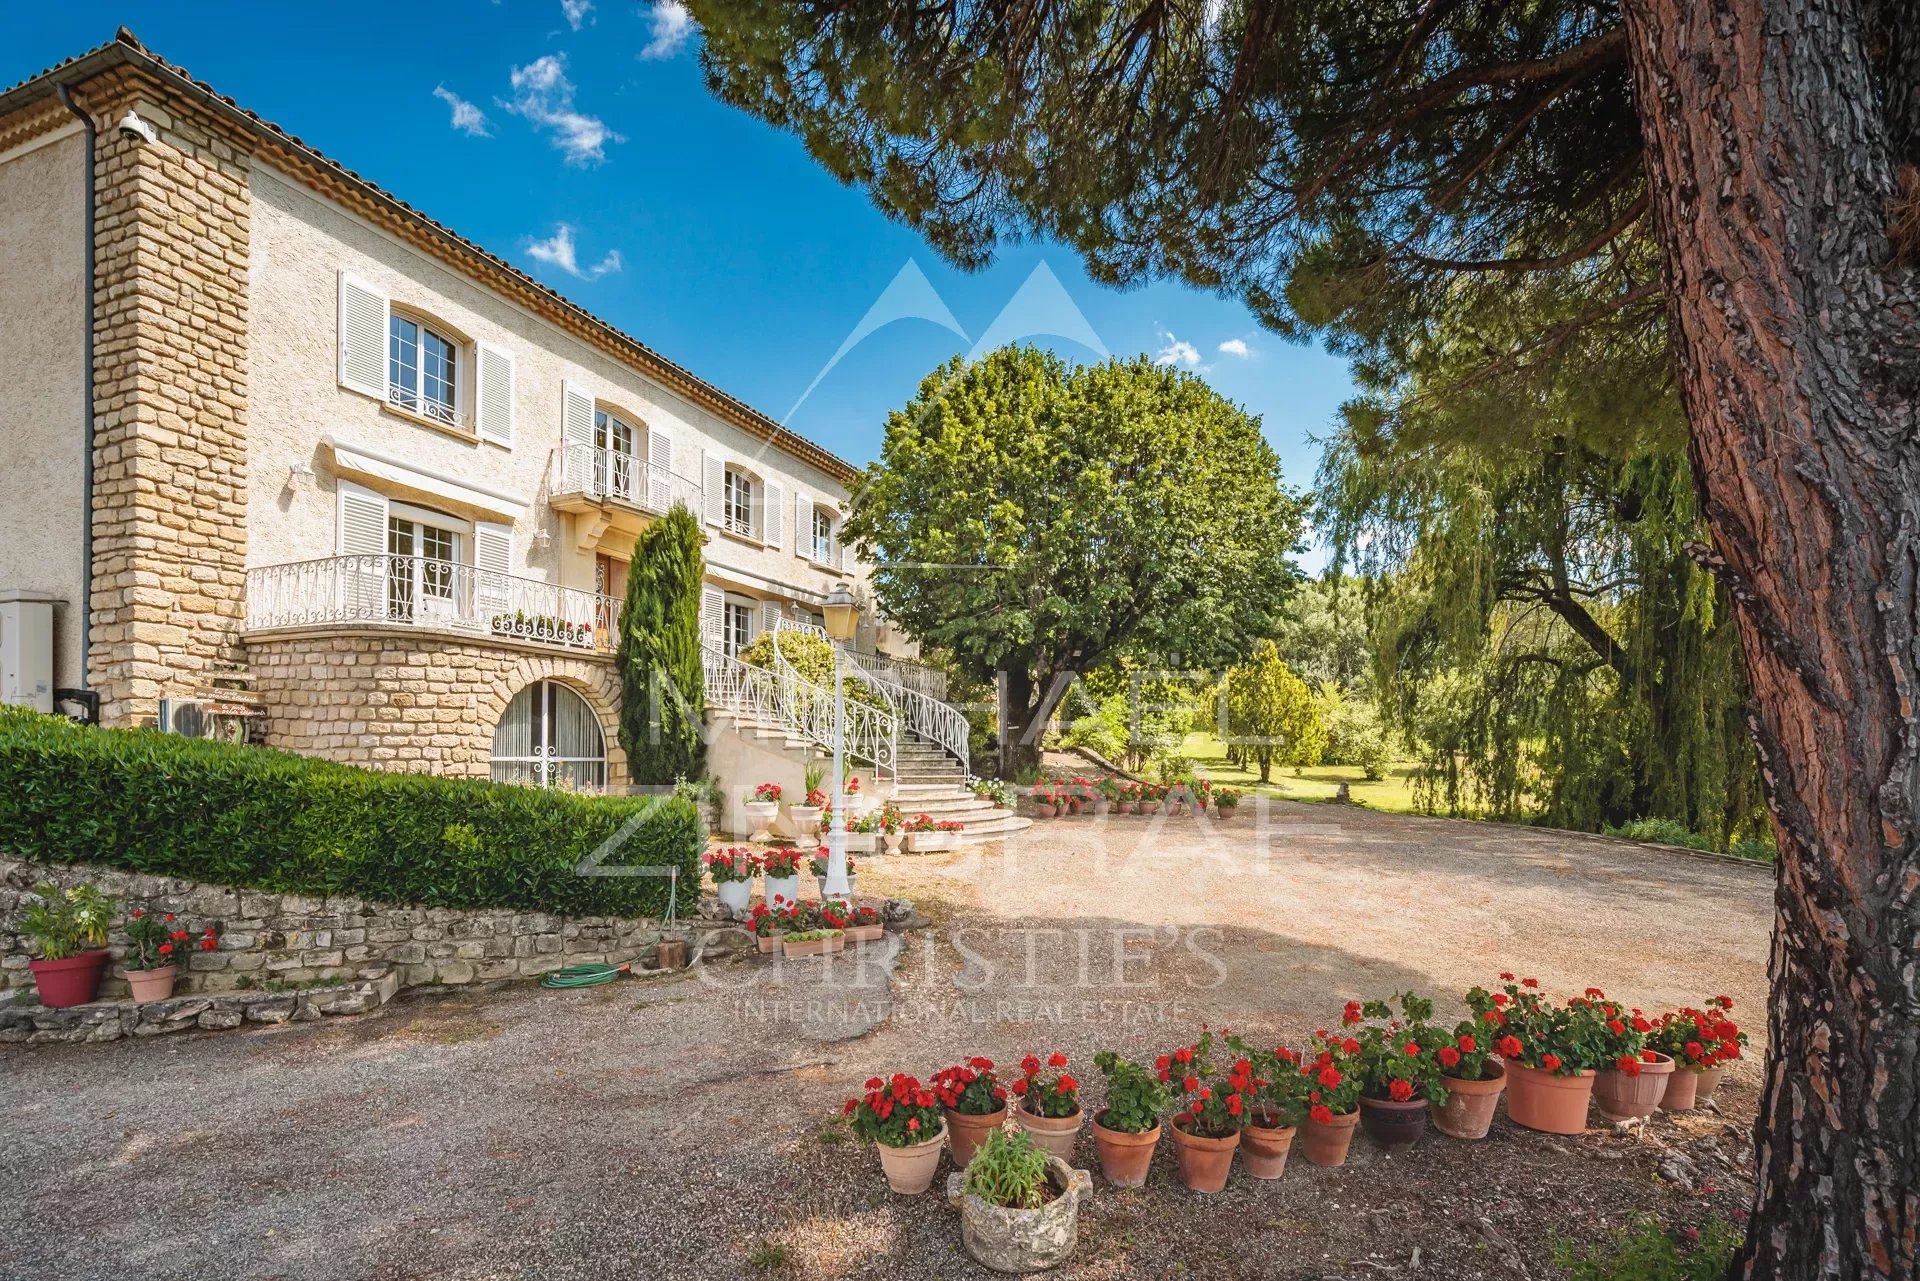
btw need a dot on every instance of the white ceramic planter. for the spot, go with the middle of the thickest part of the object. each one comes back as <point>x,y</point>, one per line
<point>734,894</point>
<point>761,814</point>
<point>893,841</point>
<point>806,818</point>
<point>931,842</point>
<point>863,842</point>
<point>783,887</point>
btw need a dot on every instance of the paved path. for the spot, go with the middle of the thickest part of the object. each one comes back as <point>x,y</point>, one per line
<point>682,1128</point>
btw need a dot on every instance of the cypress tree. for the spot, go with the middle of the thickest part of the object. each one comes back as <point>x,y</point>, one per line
<point>662,680</point>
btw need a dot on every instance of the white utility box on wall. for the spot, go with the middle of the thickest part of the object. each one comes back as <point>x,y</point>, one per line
<point>26,648</point>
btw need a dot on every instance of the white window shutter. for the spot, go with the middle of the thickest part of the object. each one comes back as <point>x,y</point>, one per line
<point>363,338</point>
<point>803,526</point>
<point>713,617</point>
<point>361,589</point>
<point>659,482</point>
<point>769,615</point>
<point>493,394</point>
<point>492,563</point>
<point>576,415</point>
<point>714,484</point>
<point>773,509</point>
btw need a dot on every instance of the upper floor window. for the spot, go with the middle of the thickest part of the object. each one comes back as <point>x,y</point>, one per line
<point>738,505</point>
<point>823,547</point>
<point>423,369</point>
<point>613,459</point>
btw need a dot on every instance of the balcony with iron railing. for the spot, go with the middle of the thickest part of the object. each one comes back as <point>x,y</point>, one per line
<point>425,593</point>
<point>588,475</point>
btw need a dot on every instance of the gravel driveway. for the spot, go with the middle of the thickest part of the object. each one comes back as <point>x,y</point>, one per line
<point>685,1127</point>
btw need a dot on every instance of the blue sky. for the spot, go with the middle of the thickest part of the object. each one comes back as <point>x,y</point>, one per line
<point>703,232</point>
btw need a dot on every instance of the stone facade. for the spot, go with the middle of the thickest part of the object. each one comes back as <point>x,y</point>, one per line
<point>170,403</point>
<point>413,699</point>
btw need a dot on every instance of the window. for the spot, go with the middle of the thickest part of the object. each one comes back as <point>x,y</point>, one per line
<point>424,554</point>
<point>423,369</point>
<point>736,627</point>
<point>614,472</point>
<point>549,737</point>
<point>738,508</point>
<point>822,537</point>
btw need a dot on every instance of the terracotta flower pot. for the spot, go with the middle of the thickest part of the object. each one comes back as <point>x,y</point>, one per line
<point>1394,1124</point>
<point>1709,1082</point>
<point>767,943</point>
<point>152,985</point>
<point>1468,1111</point>
<point>1541,1100</point>
<point>910,1170</point>
<point>1264,1148</point>
<point>1124,1157</point>
<point>1225,812</point>
<point>1689,1087</point>
<point>1204,1162</point>
<point>1621,1097</point>
<point>1326,1143</point>
<point>1054,1134</point>
<point>966,1131</point>
<point>814,947</point>
<point>865,933</point>
<point>74,980</point>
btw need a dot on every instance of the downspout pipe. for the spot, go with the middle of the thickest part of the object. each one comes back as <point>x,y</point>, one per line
<point>86,379</point>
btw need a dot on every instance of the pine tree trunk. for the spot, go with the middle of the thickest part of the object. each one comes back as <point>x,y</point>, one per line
<point>1772,163</point>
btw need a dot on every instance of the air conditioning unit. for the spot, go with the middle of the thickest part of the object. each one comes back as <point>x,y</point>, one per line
<point>186,716</point>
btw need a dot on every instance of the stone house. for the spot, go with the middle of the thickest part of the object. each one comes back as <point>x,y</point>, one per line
<point>276,440</point>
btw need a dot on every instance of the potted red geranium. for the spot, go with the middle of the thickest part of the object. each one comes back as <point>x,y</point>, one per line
<point>1214,1108</point>
<point>1634,1078</point>
<point>1126,1130</point>
<point>156,948</point>
<point>69,930</point>
<point>762,810</point>
<point>1331,1066</point>
<point>864,925</point>
<point>1552,1052</point>
<point>1701,1043</point>
<point>817,865</point>
<point>771,923</point>
<point>974,1104</point>
<point>1400,1072</point>
<point>1279,1106</point>
<point>732,871</point>
<point>781,867</point>
<point>1049,1108</point>
<point>902,1119</point>
<point>1474,1077</point>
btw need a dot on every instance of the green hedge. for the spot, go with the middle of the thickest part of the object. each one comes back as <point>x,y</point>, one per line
<point>150,802</point>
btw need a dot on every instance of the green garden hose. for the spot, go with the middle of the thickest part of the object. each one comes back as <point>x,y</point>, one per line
<point>585,975</point>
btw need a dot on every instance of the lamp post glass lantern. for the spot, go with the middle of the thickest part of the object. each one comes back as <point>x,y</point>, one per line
<point>841,615</point>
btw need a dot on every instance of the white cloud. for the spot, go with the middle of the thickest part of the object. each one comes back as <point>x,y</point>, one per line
<point>1234,347</point>
<point>467,118</point>
<point>558,251</point>
<point>576,11</point>
<point>672,27</point>
<point>1177,351</point>
<point>543,95</point>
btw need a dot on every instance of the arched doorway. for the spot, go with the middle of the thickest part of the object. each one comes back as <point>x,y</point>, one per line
<point>548,736</point>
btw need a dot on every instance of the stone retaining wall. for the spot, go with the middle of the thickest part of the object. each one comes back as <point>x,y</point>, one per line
<point>272,943</point>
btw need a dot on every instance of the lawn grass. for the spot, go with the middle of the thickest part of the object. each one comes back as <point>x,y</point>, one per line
<point>1394,793</point>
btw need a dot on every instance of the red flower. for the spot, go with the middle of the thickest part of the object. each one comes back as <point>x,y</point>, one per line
<point>1529,982</point>
<point>1695,1049</point>
<point>1641,1025</point>
<point>1183,1054</point>
<point>1351,1046</point>
<point>1616,1027</point>
<point>1594,991</point>
<point>1650,1056</point>
<point>983,1065</point>
<point>1235,1105</point>
<point>1056,1060</point>
<point>913,1123</point>
<point>874,1083</point>
<point>1628,1065</point>
<point>1020,1086</point>
<point>208,943</point>
<point>1412,1048</point>
<point>1190,1084</point>
<point>1330,1077</point>
<point>1551,1062</point>
<point>165,948</point>
<point>1030,1065</point>
<point>1000,1092</point>
<point>1467,1044</point>
<point>1724,1002</point>
<point>1321,1114</point>
<point>1499,998</point>
<point>851,1105</point>
<point>1400,1091</point>
<point>138,912</point>
<point>1509,1047</point>
<point>1162,1063</point>
<point>1206,1091</point>
<point>1352,1013</point>
<point>168,918</point>
<point>1067,1084</point>
<point>1449,1057</point>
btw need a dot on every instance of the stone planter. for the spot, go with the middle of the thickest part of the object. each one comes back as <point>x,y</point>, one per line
<point>152,985</point>
<point>1264,1149</point>
<point>1124,1157</point>
<point>785,888</point>
<point>1204,1162</point>
<point>1468,1111</point>
<point>892,841</point>
<point>966,1131</point>
<point>1327,1144</point>
<point>762,814</point>
<point>910,1170</point>
<point>932,842</point>
<point>1544,1101</point>
<point>1623,1097</point>
<point>734,895</point>
<point>1051,1134</point>
<point>1004,1240</point>
<point>806,818</point>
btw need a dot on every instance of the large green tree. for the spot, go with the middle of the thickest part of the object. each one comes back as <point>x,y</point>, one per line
<point>662,678</point>
<point>1036,520</point>
<point>1272,714</point>
<point>1738,179</point>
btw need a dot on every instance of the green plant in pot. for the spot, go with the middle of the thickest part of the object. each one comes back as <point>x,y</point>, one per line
<point>1552,1052</point>
<point>1215,1104</point>
<point>902,1119</point>
<point>1400,1073</point>
<point>157,946</point>
<point>1127,1130</point>
<point>1279,1106</point>
<point>1019,1205</point>
<point>68,928</point>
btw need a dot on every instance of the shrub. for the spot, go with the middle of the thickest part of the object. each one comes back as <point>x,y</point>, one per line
<point>662,675</point>
<point>812,658</point>
<point>1649,1252</point>
<point>250,816</point>
<point>1355,735</point>
<point>1660,831</point>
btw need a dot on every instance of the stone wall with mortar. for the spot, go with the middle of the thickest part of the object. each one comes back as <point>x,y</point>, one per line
<point>170,400</point>
<point>272,942</point>
<point>413,699</point>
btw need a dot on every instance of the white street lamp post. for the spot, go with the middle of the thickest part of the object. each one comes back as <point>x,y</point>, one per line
<point>842,615</point>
